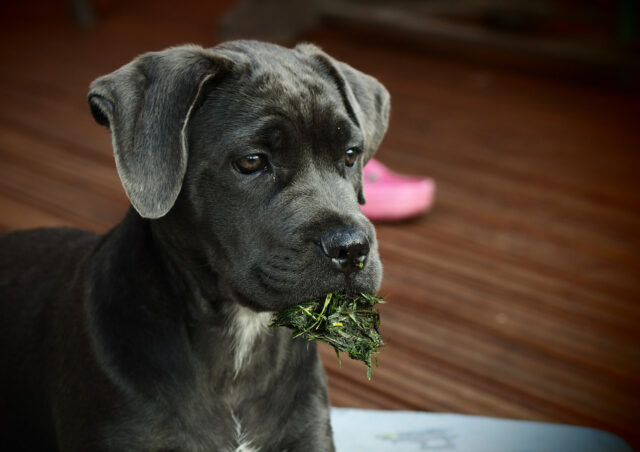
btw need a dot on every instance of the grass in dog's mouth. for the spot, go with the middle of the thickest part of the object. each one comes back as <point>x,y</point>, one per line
<point>348,323</point>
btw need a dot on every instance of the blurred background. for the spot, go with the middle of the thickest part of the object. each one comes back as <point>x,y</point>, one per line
<point>518,295</point>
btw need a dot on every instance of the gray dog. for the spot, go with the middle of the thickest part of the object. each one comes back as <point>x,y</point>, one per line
<point>243,164</point>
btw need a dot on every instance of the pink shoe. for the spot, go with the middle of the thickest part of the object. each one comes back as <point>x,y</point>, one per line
<point>391,196</point>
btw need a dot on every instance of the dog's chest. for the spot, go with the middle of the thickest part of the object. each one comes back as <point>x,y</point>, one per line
<point>264,387</point>
<point>220,417</point>
<point>253,389</point>
<point>214,425</point>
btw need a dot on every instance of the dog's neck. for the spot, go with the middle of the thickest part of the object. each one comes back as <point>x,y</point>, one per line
<point>224,376</point>
<point>190,321</point>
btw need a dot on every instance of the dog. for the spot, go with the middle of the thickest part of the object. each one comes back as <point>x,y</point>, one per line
<point>243,166</point>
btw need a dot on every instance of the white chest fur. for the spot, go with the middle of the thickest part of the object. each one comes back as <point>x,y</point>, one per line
<point>245,327</point>
<point>243,444</point>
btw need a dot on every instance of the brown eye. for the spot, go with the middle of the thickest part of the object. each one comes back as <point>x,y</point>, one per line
<point>250,163</point>
<point>351,156</point>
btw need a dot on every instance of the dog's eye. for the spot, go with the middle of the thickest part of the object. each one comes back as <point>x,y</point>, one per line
<point>250,163</point>
<point>351,156</point>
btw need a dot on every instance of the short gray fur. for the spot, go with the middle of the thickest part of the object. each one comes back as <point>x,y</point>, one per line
<point>128,341</point>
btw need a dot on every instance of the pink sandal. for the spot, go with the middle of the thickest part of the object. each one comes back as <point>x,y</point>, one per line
<point>391,196</point>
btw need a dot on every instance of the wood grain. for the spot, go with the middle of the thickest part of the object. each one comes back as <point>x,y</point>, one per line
<point>518,296</point>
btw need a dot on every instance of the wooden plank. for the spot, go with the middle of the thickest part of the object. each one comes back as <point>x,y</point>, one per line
<point>517,296</point>
<point>19,215</point>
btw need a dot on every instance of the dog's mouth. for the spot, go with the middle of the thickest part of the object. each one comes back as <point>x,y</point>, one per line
<point>272,293</point>
<point>283,276</point>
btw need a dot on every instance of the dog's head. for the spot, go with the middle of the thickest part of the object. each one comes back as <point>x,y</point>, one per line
<point>250,156</point>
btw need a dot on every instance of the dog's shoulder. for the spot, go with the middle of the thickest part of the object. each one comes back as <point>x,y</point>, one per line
<point>27,249</point>
<point>44,240</point>
<point>33,263</point>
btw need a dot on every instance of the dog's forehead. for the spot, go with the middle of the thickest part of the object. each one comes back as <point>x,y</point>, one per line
<point>260,57</point>
<point>278,78</point>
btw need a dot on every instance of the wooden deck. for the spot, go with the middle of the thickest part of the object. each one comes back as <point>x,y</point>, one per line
<point>518,296</point>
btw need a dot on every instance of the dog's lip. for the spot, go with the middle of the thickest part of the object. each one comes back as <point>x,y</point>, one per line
<point>319,295</point>
<point>335,283</point>
<point>235,295</point>
<point>248,302</point>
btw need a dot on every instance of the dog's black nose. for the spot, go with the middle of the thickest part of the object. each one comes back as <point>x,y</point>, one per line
<point>347,248</point>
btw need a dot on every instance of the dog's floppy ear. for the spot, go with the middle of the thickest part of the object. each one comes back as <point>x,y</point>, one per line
<point>367,101</point>
<point>147,105</point>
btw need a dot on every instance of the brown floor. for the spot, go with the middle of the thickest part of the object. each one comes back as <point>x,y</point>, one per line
<point>517,296</point>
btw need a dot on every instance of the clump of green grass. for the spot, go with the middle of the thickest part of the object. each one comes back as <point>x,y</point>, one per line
<point>349,324</point>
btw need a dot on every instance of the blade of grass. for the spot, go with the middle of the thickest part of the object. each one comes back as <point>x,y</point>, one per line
<point>348,324</point>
